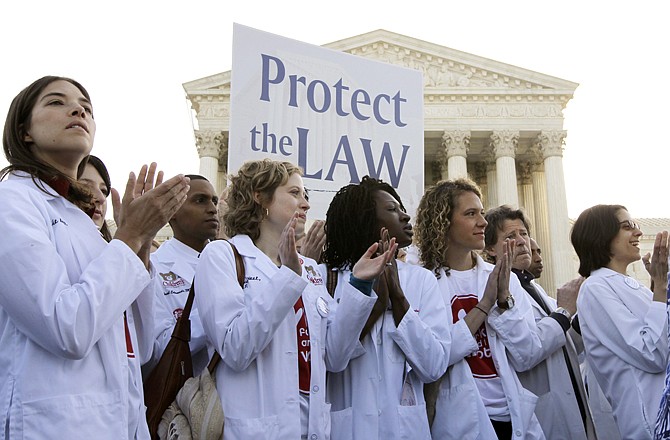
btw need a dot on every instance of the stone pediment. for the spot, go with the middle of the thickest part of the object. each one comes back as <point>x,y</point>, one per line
<point>446,71</point>
<point>219,82</point>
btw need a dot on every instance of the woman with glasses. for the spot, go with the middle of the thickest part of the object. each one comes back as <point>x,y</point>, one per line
<point>623,323</point>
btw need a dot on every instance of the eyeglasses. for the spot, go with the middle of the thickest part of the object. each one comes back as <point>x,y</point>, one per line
<point>629,225</point>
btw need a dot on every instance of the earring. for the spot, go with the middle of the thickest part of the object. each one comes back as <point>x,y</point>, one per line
<point>267,213</point>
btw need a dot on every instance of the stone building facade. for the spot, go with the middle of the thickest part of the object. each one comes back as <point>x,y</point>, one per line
<point>499,124</point>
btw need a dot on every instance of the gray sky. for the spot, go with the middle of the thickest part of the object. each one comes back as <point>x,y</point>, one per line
<point>133,58</point>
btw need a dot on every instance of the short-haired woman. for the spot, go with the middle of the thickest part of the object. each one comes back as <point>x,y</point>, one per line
<point>623,323</point>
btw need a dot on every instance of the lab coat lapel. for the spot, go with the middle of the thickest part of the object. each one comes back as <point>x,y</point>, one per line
<point>260,261</point>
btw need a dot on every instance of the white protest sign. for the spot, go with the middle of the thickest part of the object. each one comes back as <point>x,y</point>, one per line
<point>337,116</point>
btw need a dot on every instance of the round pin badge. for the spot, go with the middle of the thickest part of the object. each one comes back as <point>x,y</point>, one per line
<point>631,283</point>
<point>322,307</point>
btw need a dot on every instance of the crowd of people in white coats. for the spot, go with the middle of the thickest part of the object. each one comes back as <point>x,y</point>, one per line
<point>364,327</point>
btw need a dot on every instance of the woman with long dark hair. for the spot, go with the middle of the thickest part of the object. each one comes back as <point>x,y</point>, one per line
<point>96,177</point>
<point>69,356</point>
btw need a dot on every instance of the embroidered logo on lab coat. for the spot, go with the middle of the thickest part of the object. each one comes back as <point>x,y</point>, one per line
<point>171,279</point>
<point>173,284</point>
<point>314,276</point>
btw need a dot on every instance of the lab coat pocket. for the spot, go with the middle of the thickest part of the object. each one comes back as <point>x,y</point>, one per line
<point>413,422</point>
<point>528,402</point>
<point>456,415</point>
<point>552,417</point>
<point>266,428</point>
<point>74,416</point>
<point>342,426</point>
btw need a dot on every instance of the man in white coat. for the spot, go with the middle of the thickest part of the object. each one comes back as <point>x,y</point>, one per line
<point>562,407</point>
<point>194,225</point>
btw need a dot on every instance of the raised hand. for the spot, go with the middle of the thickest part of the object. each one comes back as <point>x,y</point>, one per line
<point>497,285</point>
<point>313,242</point>
<point>140,184</point>
<point>390,283</point>
<point>368,267</point>
<point>491,290</point>
<point>566,295</point>
<point>658,266</point>
<point>147,205</point>
<point>377,266</point>
<point>288,255</point>
<point>505,261</point>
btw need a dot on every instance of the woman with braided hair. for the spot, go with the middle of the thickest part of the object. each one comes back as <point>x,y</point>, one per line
<point>378,394</point>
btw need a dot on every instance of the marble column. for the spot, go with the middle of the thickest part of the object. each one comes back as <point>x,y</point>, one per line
<point>491,186</point>
<point>212,149</point>
<point>541,231</point>
<point>503,146</point>
<point>456,144</point>
<point>478,174</point>
<point>550,144</point>
<point>443,164</point>
<point>527,203</point>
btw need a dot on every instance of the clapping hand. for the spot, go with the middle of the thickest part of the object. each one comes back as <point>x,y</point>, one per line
<point>369,267</point>
<point>147,205</point>
<point>288,254</point>
<point>313,242</point>
<point>657,266</point>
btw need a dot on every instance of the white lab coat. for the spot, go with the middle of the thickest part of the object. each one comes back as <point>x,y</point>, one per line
<point>366,395</point>
<point>460,413</point>
<point>64,367</point>
<point>515,343</point>
<point>557,409</point>
<point>175,265</point>
<point>626,340</point>
<point>254,330</point>
<point>603,419</point>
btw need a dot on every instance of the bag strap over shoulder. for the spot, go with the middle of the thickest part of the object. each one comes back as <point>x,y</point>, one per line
<point>186,313</point>
<point>239,266</point>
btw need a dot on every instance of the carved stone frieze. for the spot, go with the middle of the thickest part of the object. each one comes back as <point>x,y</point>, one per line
<point>550,143</point>
<point>491,110</point>
<point>456,142</point>
<point>439,72</point>
<point>503,143</point>
<point>211,143</point>
<point>216,111</point>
